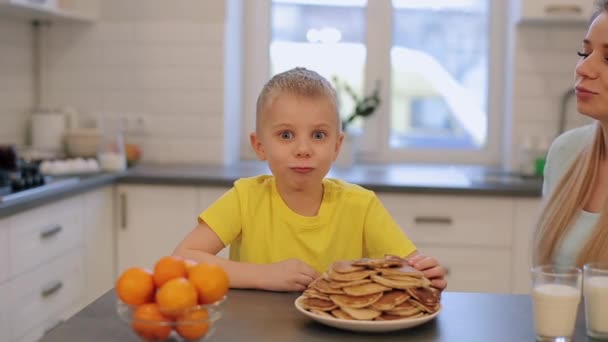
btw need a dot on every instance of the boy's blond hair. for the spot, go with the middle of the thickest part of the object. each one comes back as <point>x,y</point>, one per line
<point>296,81</point>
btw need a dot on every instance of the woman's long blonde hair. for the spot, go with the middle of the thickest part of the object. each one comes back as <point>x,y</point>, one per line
<point>566,202</point>
<point>569,197</point>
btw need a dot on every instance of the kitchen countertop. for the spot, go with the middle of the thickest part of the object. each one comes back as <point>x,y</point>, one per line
<point>271,316</point>
<point>398,178</point>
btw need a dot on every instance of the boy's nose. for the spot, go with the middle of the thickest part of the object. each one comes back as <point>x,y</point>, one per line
<point>303,149</point>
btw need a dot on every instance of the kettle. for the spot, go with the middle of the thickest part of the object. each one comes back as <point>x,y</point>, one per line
<point>48,127</point>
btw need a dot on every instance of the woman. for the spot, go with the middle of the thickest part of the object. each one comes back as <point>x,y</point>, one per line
<point>573,227</point>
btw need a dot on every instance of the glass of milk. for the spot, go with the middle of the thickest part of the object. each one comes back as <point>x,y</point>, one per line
<point>595,291</point>
<point>556,294</point>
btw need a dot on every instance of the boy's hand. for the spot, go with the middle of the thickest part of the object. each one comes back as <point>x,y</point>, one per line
<point>430,268</point>
<point>288,275</point>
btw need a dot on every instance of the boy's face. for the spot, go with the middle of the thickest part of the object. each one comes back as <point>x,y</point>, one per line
<point>299,137</point>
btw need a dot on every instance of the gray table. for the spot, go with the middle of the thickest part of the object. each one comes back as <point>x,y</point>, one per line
<point>268,316</point>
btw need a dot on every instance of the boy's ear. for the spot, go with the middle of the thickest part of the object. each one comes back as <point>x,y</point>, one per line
<point>338,145</point>
<point>256,144</point>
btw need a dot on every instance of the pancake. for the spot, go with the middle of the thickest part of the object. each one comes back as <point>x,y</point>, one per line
<point>405,270</point>
<point>321,313</point>
<point>322,285</point>
<point>314,293</point>
<point>317,304</point>
<point>361,314</point>
<point>405,309</point>
<point>341,314</point>
<point>404,283</point>
<point>358,275</point>
<point>341,284</point>
<point>425,295</point>
<point>380,262</point>
<point>345,267</point>
<point>390,299</point>
<point>365,289</point>
<point>355,302</point>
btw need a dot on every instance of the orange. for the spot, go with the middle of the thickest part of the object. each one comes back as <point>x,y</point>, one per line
<point>167,268</point>
<point>193,324</point>
<point>190,264</point>
<point>149,323</point>
<point>135,286</point>
<point>175,296</point>
<point>211,282</point>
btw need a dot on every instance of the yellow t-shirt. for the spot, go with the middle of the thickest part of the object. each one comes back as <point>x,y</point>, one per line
<point>260,228</point>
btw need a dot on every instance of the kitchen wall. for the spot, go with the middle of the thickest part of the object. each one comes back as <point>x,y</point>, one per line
<point>157,63</point>
<point>543,69</point>
<point>16,86</point>
<point>165,67</point>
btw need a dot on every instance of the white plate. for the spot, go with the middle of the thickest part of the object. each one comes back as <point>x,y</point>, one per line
<point>366,326</point>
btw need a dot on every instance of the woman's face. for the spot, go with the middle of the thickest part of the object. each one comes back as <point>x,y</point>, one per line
<point>592,71</point>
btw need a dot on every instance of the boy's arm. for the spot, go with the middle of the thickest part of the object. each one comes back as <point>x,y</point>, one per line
<point>202,244</point>
<point>290,275</point>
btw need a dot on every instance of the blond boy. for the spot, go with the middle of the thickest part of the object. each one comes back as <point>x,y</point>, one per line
<point>284,229</point>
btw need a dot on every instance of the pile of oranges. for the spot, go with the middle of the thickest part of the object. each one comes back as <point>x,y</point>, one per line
<point>171,295</point>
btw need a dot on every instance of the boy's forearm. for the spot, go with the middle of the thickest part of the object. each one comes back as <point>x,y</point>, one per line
<point>242,275</point>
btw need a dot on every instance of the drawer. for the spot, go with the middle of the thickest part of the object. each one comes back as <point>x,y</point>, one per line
<point>5,332</point>
<point>4,251</point>
<point>452,220</point>
<point>474,269</point>
<point>44,233</point>
<point>45,292</point>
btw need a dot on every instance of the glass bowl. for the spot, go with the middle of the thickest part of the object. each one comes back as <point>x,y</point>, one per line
<point>193,324</point>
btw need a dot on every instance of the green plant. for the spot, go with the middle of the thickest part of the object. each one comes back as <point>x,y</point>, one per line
<point>364,106</point>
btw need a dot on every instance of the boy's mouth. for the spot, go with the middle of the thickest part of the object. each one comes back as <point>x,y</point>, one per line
<point>302,169</point>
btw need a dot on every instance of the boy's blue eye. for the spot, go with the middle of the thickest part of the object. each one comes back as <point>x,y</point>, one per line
<point>286,135</point>
<point>319,135</point>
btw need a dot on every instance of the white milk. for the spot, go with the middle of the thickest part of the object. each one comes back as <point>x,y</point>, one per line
<point>555,308</point>
<point>596,304</point>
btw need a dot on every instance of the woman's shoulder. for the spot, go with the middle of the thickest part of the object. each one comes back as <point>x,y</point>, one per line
<point>570,142</point>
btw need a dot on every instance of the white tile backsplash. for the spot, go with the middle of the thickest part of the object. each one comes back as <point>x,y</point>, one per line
<point>16,89</point>
<point>544,62</point>
<point>156,60</point>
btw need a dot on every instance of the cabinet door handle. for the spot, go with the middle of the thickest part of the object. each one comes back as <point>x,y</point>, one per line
<point>433,220</point>
<point>50,231</point>
<point>123,211</point>
<point>51,289</point>
<point>563,9</point>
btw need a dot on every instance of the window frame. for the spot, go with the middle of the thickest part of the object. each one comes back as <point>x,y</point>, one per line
<point>374,142</point>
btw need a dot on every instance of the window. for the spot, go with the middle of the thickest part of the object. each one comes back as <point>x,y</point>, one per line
<point>438,63</point>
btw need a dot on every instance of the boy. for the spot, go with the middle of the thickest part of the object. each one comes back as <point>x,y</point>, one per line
<point>286,228</point>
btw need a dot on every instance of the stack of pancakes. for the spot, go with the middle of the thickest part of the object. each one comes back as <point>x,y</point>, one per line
<point>371,289</point>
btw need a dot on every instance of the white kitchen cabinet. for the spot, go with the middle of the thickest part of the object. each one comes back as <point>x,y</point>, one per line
<point>471,236</point>
<point>99,232</point>
<point>55,10</point>
<point>474,269</point>
<point>4,251</point>
<point>546,11</point>
<point>453,220</point>
<point>42,294</point>
<point>5,327</point>
<point>527,211</point>
<point>152,220</point>
<point>41,234</point>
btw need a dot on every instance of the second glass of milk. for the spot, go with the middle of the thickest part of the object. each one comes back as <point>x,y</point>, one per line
<point>556,294</point>
<point>595,290</point>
